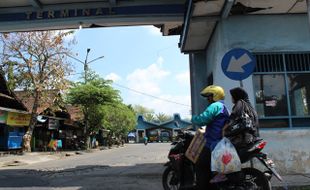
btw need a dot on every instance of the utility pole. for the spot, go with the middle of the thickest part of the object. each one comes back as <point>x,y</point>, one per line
<point>86,63</point>
<point>86,66</point>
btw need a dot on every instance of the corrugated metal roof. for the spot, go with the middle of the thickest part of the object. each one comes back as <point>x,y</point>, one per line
<point>8,98</point>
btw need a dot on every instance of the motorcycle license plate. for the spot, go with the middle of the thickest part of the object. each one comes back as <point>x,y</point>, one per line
<point>271,165</point>
<point>270,162</point>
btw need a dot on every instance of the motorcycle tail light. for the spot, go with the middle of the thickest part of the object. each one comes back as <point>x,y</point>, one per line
<point>175,156</point>
<point>261,145</point>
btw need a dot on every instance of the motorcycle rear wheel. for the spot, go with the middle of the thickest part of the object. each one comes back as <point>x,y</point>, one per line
<point>170,179</point>
<point>257,177</point>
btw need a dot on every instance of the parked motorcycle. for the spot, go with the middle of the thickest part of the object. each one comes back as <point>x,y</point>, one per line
<point>180,171</point>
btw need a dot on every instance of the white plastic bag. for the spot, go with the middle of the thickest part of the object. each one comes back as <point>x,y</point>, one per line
<point>224,158</point>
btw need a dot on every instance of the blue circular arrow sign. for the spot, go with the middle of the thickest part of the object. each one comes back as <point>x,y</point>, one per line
<point>238,64</point>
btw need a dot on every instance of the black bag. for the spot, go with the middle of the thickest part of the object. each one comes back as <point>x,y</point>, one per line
<point>244,122</point>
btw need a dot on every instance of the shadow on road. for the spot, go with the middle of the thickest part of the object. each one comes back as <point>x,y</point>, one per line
<point>141,176</point>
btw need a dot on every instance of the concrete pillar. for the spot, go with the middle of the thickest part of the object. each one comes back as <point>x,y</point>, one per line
<point>308,10</point>
<point>198,80</point>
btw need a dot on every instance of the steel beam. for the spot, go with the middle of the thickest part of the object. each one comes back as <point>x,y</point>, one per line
<point>96,14</point>
<point>187,21</point>
<point>227,8</point>
<point>36,3</point>
<point>89,22</point>
<point>205,19</point>
<point>112,2</point>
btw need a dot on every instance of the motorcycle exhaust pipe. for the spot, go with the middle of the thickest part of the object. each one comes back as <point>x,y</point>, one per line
<point>268,175</point>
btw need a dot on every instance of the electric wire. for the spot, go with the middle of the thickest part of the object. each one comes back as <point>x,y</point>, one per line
<point>149,95</point>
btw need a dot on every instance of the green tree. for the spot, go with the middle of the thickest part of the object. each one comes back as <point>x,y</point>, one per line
<point>147,113</point>
<point>36,62</point>
<point>11,78</point>
<point>91,96</point>
<point>119,119</point>
<point>161,117</point>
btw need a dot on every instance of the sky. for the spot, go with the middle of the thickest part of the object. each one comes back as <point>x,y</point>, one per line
<point>147,68</point>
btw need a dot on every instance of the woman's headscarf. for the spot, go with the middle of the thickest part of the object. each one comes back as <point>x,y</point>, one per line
<point>239,93</point>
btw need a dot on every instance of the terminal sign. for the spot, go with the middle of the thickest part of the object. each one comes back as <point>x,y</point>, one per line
<point>238,64</point>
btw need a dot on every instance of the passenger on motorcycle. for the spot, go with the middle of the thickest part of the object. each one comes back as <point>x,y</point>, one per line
<point>241,135</point>
<point>214,117</point>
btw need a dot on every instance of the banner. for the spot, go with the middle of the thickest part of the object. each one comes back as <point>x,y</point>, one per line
<point>3,116</point>
<point>18,119</point>
<point>53,124</point>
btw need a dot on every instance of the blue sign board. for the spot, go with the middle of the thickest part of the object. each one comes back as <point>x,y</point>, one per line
<point>238,64</point>
<point>92,12</point>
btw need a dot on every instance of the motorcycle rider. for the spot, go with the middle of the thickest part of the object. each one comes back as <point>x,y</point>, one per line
<point>214,117</point>
<point>145,140</point>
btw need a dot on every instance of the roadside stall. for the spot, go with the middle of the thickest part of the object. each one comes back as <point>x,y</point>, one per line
<point>131,137</point>
<point>13,127</point>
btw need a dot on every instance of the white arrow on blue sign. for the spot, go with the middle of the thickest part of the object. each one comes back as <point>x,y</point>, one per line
<point>238,64</point>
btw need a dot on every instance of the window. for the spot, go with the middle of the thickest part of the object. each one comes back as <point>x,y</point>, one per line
<point>282,90</point>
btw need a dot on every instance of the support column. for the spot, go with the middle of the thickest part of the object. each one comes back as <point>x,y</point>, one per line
<point>198,80</point>
<point>308,10</point>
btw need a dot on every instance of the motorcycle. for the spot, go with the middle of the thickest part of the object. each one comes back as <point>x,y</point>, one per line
<point>180,171</point>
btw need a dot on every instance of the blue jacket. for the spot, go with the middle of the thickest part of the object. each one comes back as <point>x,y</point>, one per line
<point>214,117</point>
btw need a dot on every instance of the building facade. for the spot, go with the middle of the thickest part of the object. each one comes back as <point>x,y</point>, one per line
<point>159,132</point>
<point>278,88</point>
<point>276,33</point>
<point>14,118</point>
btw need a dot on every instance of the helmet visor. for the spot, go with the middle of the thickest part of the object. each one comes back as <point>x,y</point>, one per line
<point>207,95</point>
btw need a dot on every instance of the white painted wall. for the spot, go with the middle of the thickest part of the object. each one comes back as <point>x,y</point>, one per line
<point>270,33</point>
<point>290,148</point>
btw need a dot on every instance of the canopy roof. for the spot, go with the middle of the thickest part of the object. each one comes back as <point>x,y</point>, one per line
<point>194,20</point>
<point>26,15</point>
<point>202,16</point>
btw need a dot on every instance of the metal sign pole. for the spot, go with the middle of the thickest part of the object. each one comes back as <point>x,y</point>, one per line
<point>241,84</point>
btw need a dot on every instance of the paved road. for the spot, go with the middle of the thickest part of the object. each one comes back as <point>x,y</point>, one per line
<point>134,166</point>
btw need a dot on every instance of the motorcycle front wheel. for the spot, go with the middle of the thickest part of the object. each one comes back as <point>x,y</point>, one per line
<point>257,178</point>
<point>170,179</point>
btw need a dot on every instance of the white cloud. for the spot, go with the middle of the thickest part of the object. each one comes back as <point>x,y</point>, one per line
<point>153,30</point>
<point>176,104</point>
<point>114,77</point>
<point>183,78</point>
<point>167,104</point>
<point>160,61</point>
<point>147,79</point>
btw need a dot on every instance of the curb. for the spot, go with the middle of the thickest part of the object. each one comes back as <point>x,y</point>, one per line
<point>293,187</point>
<point>12,160</point>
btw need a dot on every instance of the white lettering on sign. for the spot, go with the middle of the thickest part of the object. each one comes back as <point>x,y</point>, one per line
<point>271,103</point>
